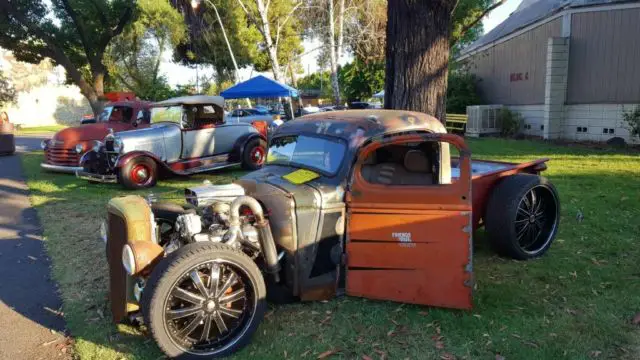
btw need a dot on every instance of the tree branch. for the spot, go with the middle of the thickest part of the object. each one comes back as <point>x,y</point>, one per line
<point>286,19</point>
<point>80,27</point>
<point>55,51</point>
<point>476,20</point>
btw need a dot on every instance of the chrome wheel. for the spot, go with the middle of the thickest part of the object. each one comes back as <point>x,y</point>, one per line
<point>209,307</point>
<point>536,219</point>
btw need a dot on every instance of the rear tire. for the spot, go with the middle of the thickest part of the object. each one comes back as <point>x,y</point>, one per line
<point>254,154</point>
<point>522,216</point>
<point>190,321</point>
<point>139,173</point>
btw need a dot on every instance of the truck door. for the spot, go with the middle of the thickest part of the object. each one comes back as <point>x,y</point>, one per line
<point>409,233</point>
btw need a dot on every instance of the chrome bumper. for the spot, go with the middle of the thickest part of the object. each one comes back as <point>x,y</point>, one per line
<point>60,168</point>
<point>108,179</point>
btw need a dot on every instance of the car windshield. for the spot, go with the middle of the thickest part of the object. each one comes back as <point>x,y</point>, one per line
<point>170,113</point>
<point>105,114</point>
<point>312,152</point>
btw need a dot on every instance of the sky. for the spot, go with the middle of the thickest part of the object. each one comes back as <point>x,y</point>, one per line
<point>178,74</point>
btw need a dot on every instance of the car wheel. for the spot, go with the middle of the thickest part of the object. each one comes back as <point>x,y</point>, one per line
<point>522,216</point>
<point>254,154</point>
<point>139,173</point>
<point>204,300</point>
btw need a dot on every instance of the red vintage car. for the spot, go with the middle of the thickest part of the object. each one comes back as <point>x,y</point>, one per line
<point>64,150</point>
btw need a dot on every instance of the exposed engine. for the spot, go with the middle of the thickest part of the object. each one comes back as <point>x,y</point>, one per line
<point>226,215</point>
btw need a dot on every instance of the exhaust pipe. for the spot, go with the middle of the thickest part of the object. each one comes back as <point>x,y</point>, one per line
<point>264,232</point>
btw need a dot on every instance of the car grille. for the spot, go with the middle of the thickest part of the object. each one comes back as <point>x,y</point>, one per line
<point>116,239</point>
<point>109,145</point>
<point>58,155</point>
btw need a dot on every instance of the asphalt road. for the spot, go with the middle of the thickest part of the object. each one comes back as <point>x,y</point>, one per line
<point>30,142</point>
<point>31,322</point>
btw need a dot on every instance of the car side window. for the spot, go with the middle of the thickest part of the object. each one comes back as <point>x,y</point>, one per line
<point>202,117</point>
<point>405,164</point>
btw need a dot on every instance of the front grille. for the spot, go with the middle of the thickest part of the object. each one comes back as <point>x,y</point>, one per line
<point>58,155</point>
<point>109,145</point>
<point>116,239</point>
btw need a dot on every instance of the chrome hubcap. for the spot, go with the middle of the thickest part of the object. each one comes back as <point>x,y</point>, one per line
<point>208,306</point>
<point>536,219</point>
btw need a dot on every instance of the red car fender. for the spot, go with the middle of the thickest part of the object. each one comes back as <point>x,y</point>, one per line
<point>124,159</point>
<point>241,142</point>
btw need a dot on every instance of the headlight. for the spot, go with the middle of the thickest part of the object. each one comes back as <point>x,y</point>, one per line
<point>117,144</point>
<point>128,260</point>
<point>103,231</point>
<point>79,148</point>
<point>44,144</point>
<point>97,145</point>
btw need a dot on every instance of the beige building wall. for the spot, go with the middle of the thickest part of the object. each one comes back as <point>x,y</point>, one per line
<point>604,63</point>
<point>513,72</point>
<point>42,96</point>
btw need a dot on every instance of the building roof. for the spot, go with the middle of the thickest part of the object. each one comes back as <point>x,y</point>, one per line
<point>527,13</point>
<point>366,123</point>
<point>259,87</point>
<point>192,100</point>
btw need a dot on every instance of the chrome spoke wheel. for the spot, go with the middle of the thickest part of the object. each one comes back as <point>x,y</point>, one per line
<point>536,219</point>
<point>209,306</point>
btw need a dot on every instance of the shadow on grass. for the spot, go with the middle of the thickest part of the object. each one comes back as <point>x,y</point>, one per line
<point>574,302</point>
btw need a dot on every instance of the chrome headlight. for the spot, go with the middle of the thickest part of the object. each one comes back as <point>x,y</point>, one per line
<point>118,146</point>
<point>128,260</point>
<point>44,144</point>
<point>103,231</point>
<point>97,145</point>
<point>79,148</point>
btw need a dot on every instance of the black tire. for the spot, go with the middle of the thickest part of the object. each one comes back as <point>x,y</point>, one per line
<point>159,301</point>
<point>254,148</point>
<point>521,225</point>
<point>130,178</point>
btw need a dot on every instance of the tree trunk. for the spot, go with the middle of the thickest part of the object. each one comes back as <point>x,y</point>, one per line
<point>417,55</point>
<point>333,54</point>
<point>272,47</point>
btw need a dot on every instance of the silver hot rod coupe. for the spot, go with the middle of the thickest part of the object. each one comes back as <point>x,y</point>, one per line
<point>365,203</point>
<point>187,135</point>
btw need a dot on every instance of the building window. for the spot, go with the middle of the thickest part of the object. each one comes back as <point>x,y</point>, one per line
<point>581,129</point>
<point>541,127</point>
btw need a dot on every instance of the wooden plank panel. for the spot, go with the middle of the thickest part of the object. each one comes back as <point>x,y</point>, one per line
<point>604,57</point>
<point>385,227</point>
<point>444,289</point>
<point>387,255</point>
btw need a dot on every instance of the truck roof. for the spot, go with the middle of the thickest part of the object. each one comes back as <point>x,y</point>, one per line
<point>193,100</point>
<point>371,122</point>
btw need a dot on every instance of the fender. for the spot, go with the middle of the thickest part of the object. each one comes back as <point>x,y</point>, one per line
<point>239,145</point>
<point>124,159</point>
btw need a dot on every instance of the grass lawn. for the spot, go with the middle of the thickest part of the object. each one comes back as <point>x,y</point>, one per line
<point>51,129</point>
<point>577,302</point>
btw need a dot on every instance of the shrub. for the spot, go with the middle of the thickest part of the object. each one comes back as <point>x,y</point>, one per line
<point>632,118</point>
<point>510,122</point>
<point>462,91</point>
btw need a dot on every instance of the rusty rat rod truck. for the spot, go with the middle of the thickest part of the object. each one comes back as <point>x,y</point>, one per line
<point>365,203</point>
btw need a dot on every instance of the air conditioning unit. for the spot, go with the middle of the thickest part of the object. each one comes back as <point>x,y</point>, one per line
<point>483,120</point>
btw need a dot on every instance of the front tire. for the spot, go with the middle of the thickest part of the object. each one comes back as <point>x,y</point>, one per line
<point>139,173</point>
<point>204,300</point>
<point>522,216</point>
<point>254,154</point>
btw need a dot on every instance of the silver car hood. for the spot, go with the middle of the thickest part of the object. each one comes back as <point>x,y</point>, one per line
<point>152,139</point>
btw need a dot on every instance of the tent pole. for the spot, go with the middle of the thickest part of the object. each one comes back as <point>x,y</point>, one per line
<point>293,115</point>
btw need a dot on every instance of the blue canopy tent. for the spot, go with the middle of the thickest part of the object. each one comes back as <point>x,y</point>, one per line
<point>258,87</point>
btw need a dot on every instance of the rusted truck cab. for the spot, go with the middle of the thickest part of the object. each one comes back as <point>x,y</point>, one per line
<point>64,150</point>
<point>365,203</point>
